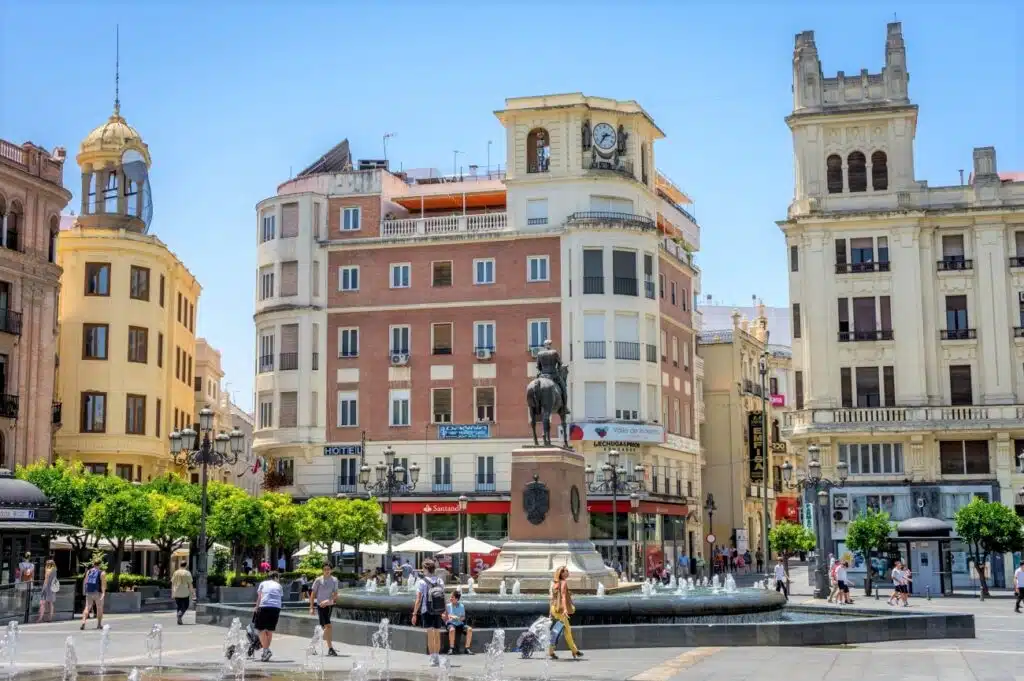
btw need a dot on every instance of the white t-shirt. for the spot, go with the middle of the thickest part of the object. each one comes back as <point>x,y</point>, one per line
<point>841,574</point>
<point>1018,577</point>
<point>780,573</point>
<point>897,576</point>
<point>272,594</point>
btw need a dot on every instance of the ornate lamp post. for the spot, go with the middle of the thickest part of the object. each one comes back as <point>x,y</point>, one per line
<point>392,480</point>
<point>813,481</point>
<point>634,505</point>
<point>614,479</point>
<point>187,449</point>
<point>463,505</point>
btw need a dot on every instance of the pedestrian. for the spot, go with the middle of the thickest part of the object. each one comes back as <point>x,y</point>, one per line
<point>700,565</point>
<point>908,577</point>
<point>406,569</point>
<point>844,587</point>
<point>269,597</point>
<point>281,563</point>
<point>264,566</point>
<point>748,559</point>
<point>49,593</point>
<point>897,583</point>
<point>833,581</point>
<point>182,591</point>
<point>1018,586</point>
<point>322,596</point>
<point>429,607</point>
<point>94,584</point>
<point>759,559</point>
<point>560,610</point>
<point>455,620</point>
<point>781,579</point>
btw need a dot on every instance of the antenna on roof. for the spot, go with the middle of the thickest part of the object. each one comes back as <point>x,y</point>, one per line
<point>386,136</point>
<point>117,69</point>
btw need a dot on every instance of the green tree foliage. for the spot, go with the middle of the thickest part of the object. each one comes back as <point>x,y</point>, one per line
<point>283,523</point>
<point>790,539</point>
<point>866,533</point>
<point>119,517</point>
<point>988,527</point>
<point>177,520</point>
<point>319,522</point>
<point>361,522</point>
<point>240,520</point>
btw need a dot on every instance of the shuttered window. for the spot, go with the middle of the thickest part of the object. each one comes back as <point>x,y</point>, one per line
<point>290,278</point>
<point>289,414</point>
<point>289,220</point>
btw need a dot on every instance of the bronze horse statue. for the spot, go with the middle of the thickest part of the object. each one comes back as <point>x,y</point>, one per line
<point>544,398</point>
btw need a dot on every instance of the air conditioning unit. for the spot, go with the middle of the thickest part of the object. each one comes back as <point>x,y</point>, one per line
<point>534,351</point>
<point>840,501</point>
<point>399,360</point>
<point>483,353</point>
<point>841,515</point>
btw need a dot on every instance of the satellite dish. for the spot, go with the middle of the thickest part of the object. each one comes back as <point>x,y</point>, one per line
<point>136,171</point>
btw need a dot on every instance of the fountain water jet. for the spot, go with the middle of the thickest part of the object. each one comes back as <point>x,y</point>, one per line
<point>70,660</point>
<point>503,588</point>
<point>155,646</point>
<point>600,590</point>
<point>494,663</point>
<point>316,649</point>
<point>104,646</point>
<point>381,648</point>
<point>393,589</point>
<point>516,588</point>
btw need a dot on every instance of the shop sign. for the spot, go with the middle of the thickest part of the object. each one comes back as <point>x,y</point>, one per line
<point>616,431</point>
<point>778,447</point>
<point>469,431</point>
<point>17,513</point>
<point>343,450</point>
<point>621,447</point>
<point>445,507</point>
<point>778,400</point>
<point>755,444</point>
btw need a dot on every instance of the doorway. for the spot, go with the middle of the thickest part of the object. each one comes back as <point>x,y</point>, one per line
<point>926,568</point>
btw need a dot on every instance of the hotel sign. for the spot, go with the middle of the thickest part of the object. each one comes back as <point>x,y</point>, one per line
<point>471,431</point>
<point>343,450</point>
<point>755,443</point>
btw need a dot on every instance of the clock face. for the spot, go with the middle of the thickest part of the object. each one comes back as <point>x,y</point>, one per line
<point>604,136</point>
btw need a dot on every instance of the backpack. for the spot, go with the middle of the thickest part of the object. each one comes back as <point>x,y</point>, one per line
<point>435,597</point>
<point>92,580</point>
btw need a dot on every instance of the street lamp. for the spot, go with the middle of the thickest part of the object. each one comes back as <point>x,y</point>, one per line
<point>813,481</point>
<point>392,479</point>
<point>613,479</point>
<point>709,504</point>
<point>187,449</point>
<point>634,505</point>
<point>463,505</point>
<point>762,367</point>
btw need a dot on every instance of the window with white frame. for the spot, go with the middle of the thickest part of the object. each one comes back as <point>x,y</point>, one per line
<point>595,400</point>
<point>401,274</point>
<point>350,218</point>
<point>872,459</point>
<point>677,425</point>
<point>664,343</point>
<point>266,358</point>
<point>675,350</point>
<point>266,282</point>
<point>483,271</point>
<point>536,211</point>
<point>441,405</point>
<point>348,342</point>
<point>399,413</point>
<point>537,268</point>
<point>627,401</point>
<point>348,409</point>
<point>483,333</point>
<point>266,411</point>
<point>348,278</point>
<point>652,403</point>
<point>539,331</point>
<point>268,231</point>
<point>483,399</point>
<point>400,339</point>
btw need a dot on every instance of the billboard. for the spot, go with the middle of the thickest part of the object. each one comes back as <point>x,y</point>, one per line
<point>755,423</point>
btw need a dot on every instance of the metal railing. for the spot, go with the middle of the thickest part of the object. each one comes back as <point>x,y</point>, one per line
<point>485,483</point>
<point>593,284</point>
<point>958,334</point>
<point>858,336</point>
<point>858,267</point>
<point>594,349</point>
<point>954,264</point>
<point>1017,261</point>
<point>629,220</point>
<point>346,485</point>
<point>9,406</point>
<point>10,322</point>
<point>441,484</point>
<point>265,364</point>
<point>288,361</point>
<point>649,289</point>
<point>627,350</point>
<point>652,353</point>
<point>624,286</point>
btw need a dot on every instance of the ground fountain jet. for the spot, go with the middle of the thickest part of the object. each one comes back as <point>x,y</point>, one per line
<point>516,588</point>
<point>70,660</point>
<point>155,646</point>
<point>104,646</point>
<point>316,650</point>
<point>494,663</point>
<point>371,586</point>
<point>600,590</point>
<point>381,650</point>
<point>730,584</point>
<point>503,588</point>
<point>9,646</point>
<point>393,589</point>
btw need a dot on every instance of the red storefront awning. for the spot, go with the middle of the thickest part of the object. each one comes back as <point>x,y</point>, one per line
<point>444,507</point>
<point>649,507</point>
<point>787,509</point>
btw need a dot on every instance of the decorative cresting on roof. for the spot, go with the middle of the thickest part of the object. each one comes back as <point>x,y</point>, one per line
<point>20,493</point>
<point>109,141</point>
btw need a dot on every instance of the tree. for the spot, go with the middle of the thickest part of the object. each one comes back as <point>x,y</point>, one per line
<point>361,522</point>
<point>320,521</point>
<point>866,533</point>
<point>988,527</point>
<point>173,485</point>
<point>790,539</point>
<point>240,520</point>
<point>177,521</point>
<point>283,521</point>
<point>119,517</point>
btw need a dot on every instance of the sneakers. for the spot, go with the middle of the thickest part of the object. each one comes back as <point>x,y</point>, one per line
<point>331,652</point>
<point>435,661</point>
<point>265,655</point>
<point>467,651</point>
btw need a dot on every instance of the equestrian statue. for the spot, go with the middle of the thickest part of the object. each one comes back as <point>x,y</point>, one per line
<point>547,394</point>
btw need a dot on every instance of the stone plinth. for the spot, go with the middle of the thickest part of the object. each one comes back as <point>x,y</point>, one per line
<point>545,535</point>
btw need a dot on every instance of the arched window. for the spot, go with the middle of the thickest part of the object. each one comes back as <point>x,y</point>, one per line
<point>54,231</point>
<point>538,151</point>
<point>12,228</point>
<point>857,172</point>
<point>879,171</point>
<point>834,174</point>
<point>110,193</point>
<point>90,204</point>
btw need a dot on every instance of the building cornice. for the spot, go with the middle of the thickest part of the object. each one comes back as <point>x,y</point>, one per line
<point>449,305</point>
<point>972,213</point>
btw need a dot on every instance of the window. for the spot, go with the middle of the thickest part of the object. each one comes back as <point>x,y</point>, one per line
<point>537,211</point>
<point>179,308</point>
<point>266,413</point>
<point>627,401</point>
<point>348,278</point>
<point>872,459</point>
<point>889,386</point>
<point>348,342</point>
<point>856,172</point>
<point>675,350</point>
<point>399,415</point>
<point>624,273</point>
<point>348,409</point>
<point>539,331</point>
<point>400,340</point>
<point>846,387</point>
<point>868,389</point>
<point>159,415</point>
<point>682,298</point>
<point>794,258</point>
<point>956,317</point>
<point>316,219</point>
<point>649,278</point>
<point>97,279</point>
<point>953,248</point>
<point>441,338</point>
<point>94,341</point>
<point>199,384</point>
<point>442,474</point>
<point>963,457</point>
<point>796,320</point>
<point>883,251</point>
<point>348,474</point>
<point>288,406</point>
<point>124,471</point>
<point>593,270</point>
<point>483,334</point>
<point>266,354</point>
<point>864,322</point>
<point>798,388</point>
<point>94,413</point>
<point>289,220</point>
<point>485,473</point>
<point>652,403</point>
<point>676,417</point>
<point>960,391</point>
<point>483,399</point>
<point>441,405</point>
<point>289,280</point>
<point>773,386</point>
<point>138,344</point>
<point>400,275</point>
<point>316,278</point>
<point>441,273</point>
<point>139,283</point>
<point>135,415</point>
<point>286,469</point>
<point>664,344</point>
<point>268,227</point>
<point>537,268</point>
<point>538,151</point>
<point>266,282</point>
<point>879,171</point>
<point>163,285</point>
<point>595,400</point>
<point>862,251</point>
<point>350,218</point>
<point>834,174</point>
<point>483,271</point>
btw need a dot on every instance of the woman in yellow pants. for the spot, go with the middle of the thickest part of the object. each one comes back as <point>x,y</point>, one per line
<point>560,610</point>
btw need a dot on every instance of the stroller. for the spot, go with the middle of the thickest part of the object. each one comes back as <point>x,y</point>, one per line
<point>253,637</point>
<point>530,640</point>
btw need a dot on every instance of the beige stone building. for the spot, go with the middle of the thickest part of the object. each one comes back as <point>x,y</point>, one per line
<point>32,195</point>
<point>908,314</point>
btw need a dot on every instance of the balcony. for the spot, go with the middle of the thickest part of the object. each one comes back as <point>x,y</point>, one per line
<point>954,264</point>
<point>346,485</point>
<point>265,364</point>
<point>593,285</point>
<point>56,414</point>
<point>485,483</point>
<point>865,336</point>
<point>649,289</point>
<point>901,419</point>
<point>627,350</point>
<point>442,484</point>
<point>288,361</point>
<point>445,225</point>
<point>10,322</point>
<point>602,217</point>
<point>859,267</point>
<point>624,286</point>
<point>958,334</point>
<point>652,353</point>
<point>9,406</point>
<point>593,349</point>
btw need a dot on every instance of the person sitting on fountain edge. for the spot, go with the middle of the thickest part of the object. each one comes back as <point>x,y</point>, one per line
<point>549,364</point>
<point>455,618</point>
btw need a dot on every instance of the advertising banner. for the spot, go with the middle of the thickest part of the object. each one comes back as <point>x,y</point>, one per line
<point>755,422</point>
<point>624,432</point>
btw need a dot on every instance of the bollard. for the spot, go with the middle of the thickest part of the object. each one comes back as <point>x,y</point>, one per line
<point>876,593</point>
<point>928,592</point>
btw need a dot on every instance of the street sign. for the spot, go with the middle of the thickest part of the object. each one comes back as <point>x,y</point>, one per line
<point>711,539</point>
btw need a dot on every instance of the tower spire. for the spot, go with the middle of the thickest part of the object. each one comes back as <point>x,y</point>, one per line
<point>117,70</point>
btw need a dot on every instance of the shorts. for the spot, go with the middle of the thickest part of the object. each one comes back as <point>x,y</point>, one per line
<point>431,621</point>
<point>461,626</point>
<point>902,589</point>
<point>266,619</point>
<point>93,598</point>
<point>843,587</point>
<point>324,614</point>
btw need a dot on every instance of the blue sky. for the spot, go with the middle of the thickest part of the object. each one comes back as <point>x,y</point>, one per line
<point>231,99</point>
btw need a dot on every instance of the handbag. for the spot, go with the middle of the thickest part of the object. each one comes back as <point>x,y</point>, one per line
<point>55,587</point>
<point>557,628</point>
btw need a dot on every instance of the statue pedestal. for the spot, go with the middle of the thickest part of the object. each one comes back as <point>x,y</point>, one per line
<point>548,526</point>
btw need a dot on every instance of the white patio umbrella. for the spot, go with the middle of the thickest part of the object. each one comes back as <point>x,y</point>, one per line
<point>473,545</point>
<point>380,549</point>
<point>335,548</point>
<point>417,545</point>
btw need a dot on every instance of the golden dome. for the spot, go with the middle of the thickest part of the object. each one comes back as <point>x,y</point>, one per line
<point>110,140</point>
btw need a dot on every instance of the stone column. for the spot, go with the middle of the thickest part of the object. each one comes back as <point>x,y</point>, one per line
<point>991,317</point>
<point>87,175</point>
<point>817,347</point>
<point>909,331</point>
<point>121,199</point>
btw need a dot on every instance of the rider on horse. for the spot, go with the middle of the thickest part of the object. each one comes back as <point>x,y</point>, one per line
<point>549,365</point>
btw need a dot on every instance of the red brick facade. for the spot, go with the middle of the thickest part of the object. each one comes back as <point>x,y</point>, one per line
<point>676,326</point>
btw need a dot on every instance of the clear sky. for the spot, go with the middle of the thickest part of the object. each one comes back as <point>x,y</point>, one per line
<point>232,96</point>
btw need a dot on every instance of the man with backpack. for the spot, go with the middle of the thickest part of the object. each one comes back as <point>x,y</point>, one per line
<point>94,585</point>
<point>429,608</point>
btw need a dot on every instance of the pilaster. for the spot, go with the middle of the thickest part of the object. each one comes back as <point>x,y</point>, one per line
<point>818,339</point>
<point>992,316</point>
<point>908,329</point>
<point>916,463</point>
